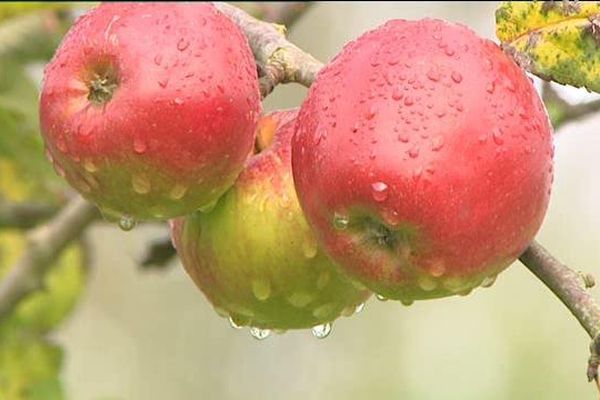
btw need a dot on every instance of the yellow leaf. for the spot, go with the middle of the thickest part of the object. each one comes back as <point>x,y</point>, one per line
<point>558,41</point>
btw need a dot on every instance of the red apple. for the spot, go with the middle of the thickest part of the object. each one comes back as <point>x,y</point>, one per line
<point>423,160</point>
<point>254,256</point>
<point>149,109</point>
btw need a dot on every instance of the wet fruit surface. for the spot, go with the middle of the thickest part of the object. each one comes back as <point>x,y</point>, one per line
<point>254,256</point>
<point>149,109</point>
<point>423,160</point>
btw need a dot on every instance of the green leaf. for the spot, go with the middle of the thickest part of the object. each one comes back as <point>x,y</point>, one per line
<point>558,41</point>
<point>29,367</point>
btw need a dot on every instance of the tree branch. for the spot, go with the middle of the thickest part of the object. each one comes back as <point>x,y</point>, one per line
<point>44,245</point>
<point>570,288</point>
<point>279,60</point>
<point>24,215</point>
<point>562,112</point>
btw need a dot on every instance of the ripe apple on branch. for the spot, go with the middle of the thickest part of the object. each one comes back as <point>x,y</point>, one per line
<point>419,165</point>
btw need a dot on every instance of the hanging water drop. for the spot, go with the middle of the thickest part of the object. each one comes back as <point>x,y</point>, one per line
<point>359,308</point>
<point>260,334</point>
<point>381,297</point>
<point>406,302</point>
<point>321,331</point>
<point>233,324</point>
<point>127,223</point>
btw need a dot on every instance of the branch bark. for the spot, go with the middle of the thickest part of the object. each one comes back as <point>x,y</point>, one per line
<point>570,288</point>
<point>24,215</point>
<point>44,245</point>
<point>279,60</point>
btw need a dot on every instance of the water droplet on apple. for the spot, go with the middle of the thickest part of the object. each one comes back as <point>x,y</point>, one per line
<point>397,94</point>
<point>299,299</point>
<point>433,74</point>
<point>359,308</point>
<point>381,297</point>
<point>456,76</point>
<point>488,281</point>
<point>321,331</point>
<point>497,136</point>
<point>371,112</point>
<point>139,145</point>
<point>178,191</point>
<point>406,302</point>
<point>449,51</point>
<point>261,288</point>
<point>208,207</point>
<point>260,334</point>
<point>323,280</point>
<point>127,223</point>
<point>158,59</point>
<point>403,137</point>
<point>490,87</point>
<point>408,101</point>
<point>437,269</point>
<point>310,247</point>
<point>437,143</point>
<point>414,152</point>
<point>163,82</point>
<point>89,166</point>
<point>427,284</point>
<point>324,311</point>
<point>140,183</point>
<point>234,324</point>
<point>379,191</point>
<point>178,101</point>
<point>340,221</point>
<point>182,44</point>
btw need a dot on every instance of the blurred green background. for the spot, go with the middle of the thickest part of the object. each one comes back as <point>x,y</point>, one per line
<point>140,334</point>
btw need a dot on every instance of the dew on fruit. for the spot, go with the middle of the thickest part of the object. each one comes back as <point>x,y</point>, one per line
<point>179,101</point>
<point>397,94</point>
<point>323,280</point>
<point>456,76</point>
<point>208,207</point>
<point>414,152</point>
<point>299,299</point>
<point>321,331</point>
<point>488,281</point>
<point>89,166</point>
<point>406,302</point>
<point>182,44</point>
<point>139,146</point>
<point>427,284</point>
<point>310,247</point>
<point>158,59</point>
<point>233,324</point>
<point>437,269</point>
<point>324,311</point>
<point>163,82</point>
<point>408,101</point>
<point>433,74</point>
<point>359,308</point>
<point>340,221</point>
<point>261,288</point>
<point>260,334</point>
<point>370,112</point>
<point>127,223</point>
<point>379,191</point>
<point>403,137</point>
<point>437,143</point>
<point>140,183</point>
<point>178,191</point>
<point>497,136</point>
<point>381,297</point>
<point>490,87</point>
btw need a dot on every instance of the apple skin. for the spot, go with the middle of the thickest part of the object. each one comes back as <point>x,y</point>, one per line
<point>170,128</point>
<point>254,256</point>
<point>422,160</point>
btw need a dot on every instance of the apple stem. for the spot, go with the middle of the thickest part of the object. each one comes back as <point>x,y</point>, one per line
<point>570,288</point>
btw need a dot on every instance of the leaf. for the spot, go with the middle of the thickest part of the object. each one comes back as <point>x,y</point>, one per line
<point>29,367</point>
<point>20,139</point>
<point>558,41</point>
<point>44,309</point>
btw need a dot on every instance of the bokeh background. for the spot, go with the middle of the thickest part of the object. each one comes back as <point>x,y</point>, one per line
<point>150,334</point>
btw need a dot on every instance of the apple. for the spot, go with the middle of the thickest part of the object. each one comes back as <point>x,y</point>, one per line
<point>149,109</point>
<point>254,256</point>
<point>422,160</point>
